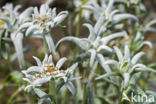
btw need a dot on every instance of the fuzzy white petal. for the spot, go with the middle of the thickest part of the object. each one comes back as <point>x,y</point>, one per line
<point>61,62</point>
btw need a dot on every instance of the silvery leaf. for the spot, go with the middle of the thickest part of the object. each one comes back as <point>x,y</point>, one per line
<point>74,78</point>
<point>37,34</point>
<point>25,14</point>
<point>93,68</point>
<point>107,75</point>
<point>83,44</point>
<point>126,52</point>
<point>101,60</point>
<point>113,13</point>
<point>14,55</point>
<point>50,59</point>
<point>150,23</point>
<point>29,76</point>
<point>17,8</point>
<point>29,88</point>
<point>33,69</point>
<point>92,57</point>
<point>72,68</point>
<point>39,92</point>
<point>137,66</point>
<point>109,7</point>
<point>92,35</point>
<point>46,99</point>
<point>43,9</point>
<point>118,53</point>
<point>106,39</point>
<point>9,8</point>
<point>90,93</point>
<point>145,69</point>
<point>61,62</point>
<point>45,60</point>
<point>126,77</point>
<point>60,17</point>
<point>149,29</point>
<point>71,88</point>
<point>104,47</point>
<point>17,41</point>
<point>38,61</point>
<point>50,43</point>
<point>36,12</point>
<point>147,43</point>
<point>40,81</point>
<point>119,17</point>
<point>25,25</point>
<point>112,62</point>
<point>138,36</point>
<point>31,29</point>
<point>26,79</point>
<point>90,8</point>
<point>137,57</point>
<point>94,3</point>
<point>101,31</point>
<point>98,24</point>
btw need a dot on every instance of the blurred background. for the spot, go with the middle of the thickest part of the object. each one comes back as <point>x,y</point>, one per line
<point>57,34</point>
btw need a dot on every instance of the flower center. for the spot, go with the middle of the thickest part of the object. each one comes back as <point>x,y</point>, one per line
<point>43,18</point>
<point>50,69</point>
<point>2,22</point>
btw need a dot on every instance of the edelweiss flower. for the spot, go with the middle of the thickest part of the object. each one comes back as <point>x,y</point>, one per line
<point>42,22</point>
<point>94,44</point>
<point>43,72</point>
<point>11,20</point>
<point>45,19</point>
<point>106,9</point>
<point>126,66</point>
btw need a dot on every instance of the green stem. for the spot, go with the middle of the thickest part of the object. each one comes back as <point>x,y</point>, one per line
<point>84,94</point>
<point>78,24</point>
<point>79,19</point>
<point>66,98</point>
<point>9,60</point>
<point>13,95</point>
<point>52,89</point>
<point>28,99</point>
<point>45,44</point>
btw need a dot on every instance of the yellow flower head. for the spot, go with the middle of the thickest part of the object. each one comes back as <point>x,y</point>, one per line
<point>2,22</point>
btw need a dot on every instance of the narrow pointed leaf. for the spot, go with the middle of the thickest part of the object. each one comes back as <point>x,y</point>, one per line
<point>61,62</point>
<point>50,43</point>
<point>83,44</point>
<point>71,88</point>
<point>92,57</point>
<point>119,17</point>
<point>17,41</point>
<point>136,58</point>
